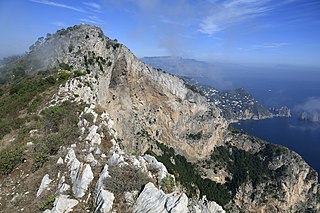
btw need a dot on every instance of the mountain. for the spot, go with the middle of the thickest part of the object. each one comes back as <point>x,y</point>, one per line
<point>88,127</point>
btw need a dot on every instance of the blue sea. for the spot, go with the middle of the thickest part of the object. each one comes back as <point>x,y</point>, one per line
<point>295,87</point>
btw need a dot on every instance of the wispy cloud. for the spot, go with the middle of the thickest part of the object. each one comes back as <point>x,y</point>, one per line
<point>93,6</point>
<point>56,4</point>
<point>59,24</point>
<point>270,45</point>
<point>311,105</point>
<point>223,15</point>
<point>92,20</point>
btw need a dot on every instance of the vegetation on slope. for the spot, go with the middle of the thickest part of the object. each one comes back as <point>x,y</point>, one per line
<point>242,165</point>
<point>188,177</point>
<point>21,99</point>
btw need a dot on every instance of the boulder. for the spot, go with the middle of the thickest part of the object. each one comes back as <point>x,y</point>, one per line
<point>154,200</point>
<point>63,204</point>
<point>44,184</point>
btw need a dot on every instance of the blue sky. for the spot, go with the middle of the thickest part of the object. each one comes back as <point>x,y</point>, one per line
<point>254,31</point>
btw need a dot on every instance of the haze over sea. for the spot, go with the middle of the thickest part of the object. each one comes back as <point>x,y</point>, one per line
<point>296,87</point>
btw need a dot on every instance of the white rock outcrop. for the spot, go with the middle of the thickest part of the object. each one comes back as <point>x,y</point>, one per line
<point>60,161</point>
<point>154,200</point>
<point>162,170</point>
<point>104,201</point>
<point>205,206</point>
<point>81,175</point>
<point>63,186</point>
<point>116,159</point>
<point>94,137</point>
<point>104,198</point>
<point>83,180</point>
<point>90,159</point>
<point>44,184</point>
<point>63,204</point>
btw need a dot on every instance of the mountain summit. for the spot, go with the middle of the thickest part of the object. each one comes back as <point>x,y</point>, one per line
<point>103,132</point>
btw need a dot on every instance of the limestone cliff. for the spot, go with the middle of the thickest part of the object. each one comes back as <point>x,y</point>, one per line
<point>139,99</point>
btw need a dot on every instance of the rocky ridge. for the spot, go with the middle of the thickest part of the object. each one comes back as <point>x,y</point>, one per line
<point>131,108</point>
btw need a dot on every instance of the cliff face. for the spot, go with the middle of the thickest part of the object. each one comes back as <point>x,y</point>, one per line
<point>289,185</point>
<point>139,99</point>
<point>126,109</point>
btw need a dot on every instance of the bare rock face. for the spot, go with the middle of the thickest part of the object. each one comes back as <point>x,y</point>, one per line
<point>154,200</point>
<point>141,100</point>
<point>293,187</point>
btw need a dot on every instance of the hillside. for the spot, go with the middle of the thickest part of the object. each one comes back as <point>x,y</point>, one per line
<point>87,127</point>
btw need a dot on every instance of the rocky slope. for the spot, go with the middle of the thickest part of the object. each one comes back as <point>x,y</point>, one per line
<point>141,141</point>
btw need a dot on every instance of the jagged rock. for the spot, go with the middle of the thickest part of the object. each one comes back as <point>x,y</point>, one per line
<point>98,151</point>
<point>62,186</point>
<point>310,116</point>
<point>73,164</point>
<point>116,159</point>
<point>104,198</point>
<point>104,174</point>
<point>104,201</point>
<point>93,136</point>
<point>83,180</point>
<point>44,184</point>
<point>63,204</point>
<point>162,170</point>
<point>131,197</point>
<point>154,200</point>
<point>60,161</point>
<point>90,159</point>
<point>205,206</point>
<point>81,175</point>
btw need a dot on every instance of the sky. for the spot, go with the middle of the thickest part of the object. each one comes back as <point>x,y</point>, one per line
<point>245,31</point>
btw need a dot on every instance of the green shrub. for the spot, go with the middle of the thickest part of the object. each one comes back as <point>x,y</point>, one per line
<point>65,66</point>
<point>168,184</point>
<point>9,159</point>
<point>39,160</point>
<point>78,73</point>
<point>59,124</point>
<point>91,61</point>
<point>64,75</point>
<point>49,203</point>
<point>21,94</point>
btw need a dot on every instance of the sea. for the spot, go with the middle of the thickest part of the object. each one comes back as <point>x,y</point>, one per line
<point>295,87</point>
